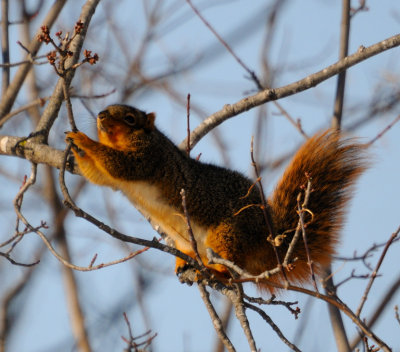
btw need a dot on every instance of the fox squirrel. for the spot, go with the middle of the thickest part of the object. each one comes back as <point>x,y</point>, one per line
<point>133,156</point>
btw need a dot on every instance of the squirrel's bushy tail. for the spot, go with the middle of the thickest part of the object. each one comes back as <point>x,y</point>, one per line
<point>333,165</point>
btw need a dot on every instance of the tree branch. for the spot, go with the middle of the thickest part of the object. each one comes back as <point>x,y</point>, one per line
<point>8,98</point>
<point>230,110</point>
<point>35,152</point>
<point>50,113</point>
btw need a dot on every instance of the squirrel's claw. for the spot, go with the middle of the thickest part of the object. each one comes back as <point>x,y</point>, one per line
<point>74,138</point>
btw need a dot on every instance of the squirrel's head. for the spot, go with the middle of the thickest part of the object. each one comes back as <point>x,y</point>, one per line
<point>122,126</point>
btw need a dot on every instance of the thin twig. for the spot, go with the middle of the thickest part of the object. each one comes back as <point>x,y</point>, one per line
<point>18,235</point>
<point>272,301</point>
<point>331,300</point>
<point>296,124</point>
<point>339,304</point>
<point>378,311</point>
<point>387,128</point>
<point>310,263</point>
<point>90,267</point>
<point>94,96</point>
<point>190,230</point>
<point>12,261</point>
<point>68,105</point>
<point>351,277</point>
<point>361,7</point>
<point>214,258</point>
<point>367,254</point>
<point>225,44</point>
<point>129,328</point>
<point>132,339</point>
<point>274,327</point>
<point>30,61</point>
<point>267,213</point>
<point>265,206</point>
<point>17,205</point>
<point>296,235</point>
<point>39,101</point>
<point>28,182</point>
<point>375,272</point>
<point>245,277</point>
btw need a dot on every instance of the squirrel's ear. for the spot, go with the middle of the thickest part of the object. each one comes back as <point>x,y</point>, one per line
<point>150,121</point>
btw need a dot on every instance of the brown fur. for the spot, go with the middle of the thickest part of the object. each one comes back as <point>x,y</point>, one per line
<point>334,165</point>
<point>136,158</point>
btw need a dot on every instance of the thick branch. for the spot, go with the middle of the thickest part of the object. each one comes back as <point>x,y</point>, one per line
<point>277,93</point>
<point>35,152</point>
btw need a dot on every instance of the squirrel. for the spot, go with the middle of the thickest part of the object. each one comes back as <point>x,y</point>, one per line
<point>225,207</point>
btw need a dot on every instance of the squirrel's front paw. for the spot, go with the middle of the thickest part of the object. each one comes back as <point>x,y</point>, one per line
<point>80,142</point>
<point>187,274</point>
<point>77,138</point>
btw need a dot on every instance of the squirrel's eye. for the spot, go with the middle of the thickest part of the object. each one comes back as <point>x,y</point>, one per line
<point>129,119</point>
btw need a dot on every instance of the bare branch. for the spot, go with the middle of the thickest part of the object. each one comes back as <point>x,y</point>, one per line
<point>301,210</point>
<point>296,124</point>
<point>236,297</point>
<point>35,152</point>
<point>5,49</point>
<point>387,128</point>
<point>50,113</point>
<point>31,61</point>
<point>36,102</point>
<point>230,110</point>
<point>225,320</point>
<point>132,341</point>
<point>375,272</point>
<point>114,233</point>
<point>379,309</point>
<point>343,52</point>
<point>12,261</point>
<point>274,327</point>
<point>215,318</point>
<point>190,230</point>
<point>225,44</point>
<point>272,301</point>
<point>11,93</point>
